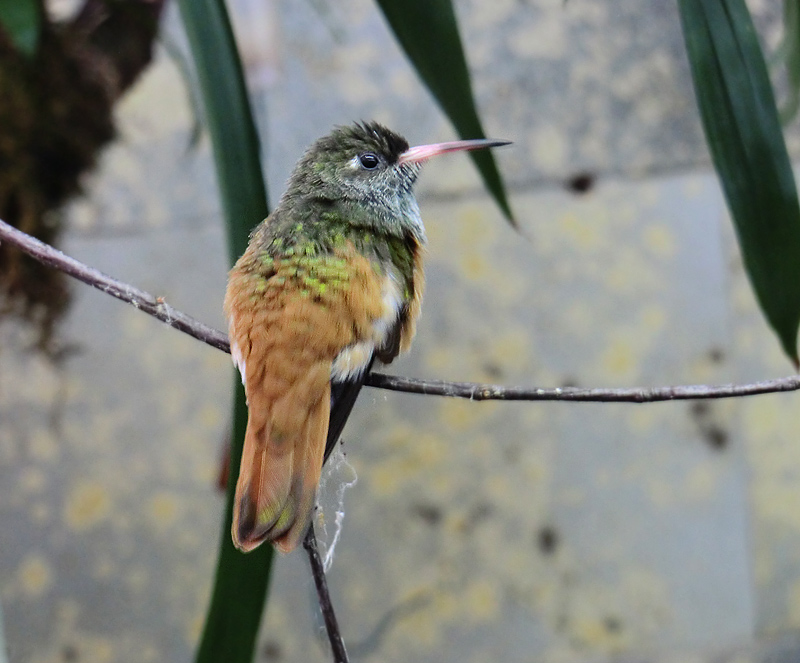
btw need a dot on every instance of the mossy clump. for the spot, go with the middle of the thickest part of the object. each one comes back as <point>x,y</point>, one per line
<point>55,116</point>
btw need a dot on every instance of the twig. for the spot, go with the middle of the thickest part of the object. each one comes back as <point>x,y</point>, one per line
<point>158,308</point>
<point>144,301</point>
<point>324,597</point>
<point>486,392</point>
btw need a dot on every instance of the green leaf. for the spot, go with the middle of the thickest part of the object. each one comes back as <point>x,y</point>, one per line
<point>428,32</point>
<point>744,135</point>
<point>22,20</point>
<point>240,586</point>
<point>789,53</point>
<point>228,117</point>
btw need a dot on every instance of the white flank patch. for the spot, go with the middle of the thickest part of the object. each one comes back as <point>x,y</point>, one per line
<point>236,353</point>
<point>352,361</point>
<point>392,295</point>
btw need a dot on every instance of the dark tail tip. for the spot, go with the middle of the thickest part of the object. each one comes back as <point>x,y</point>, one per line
<point>245,536</point>
<point>248,533</point>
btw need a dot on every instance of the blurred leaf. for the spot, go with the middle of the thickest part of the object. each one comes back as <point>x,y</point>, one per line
<point>744,135</point>
<point>186,72</point>
<point>241,582</point>
<point>240,588</point>
<point>428,32</point>
<point>788,53</point>
<point>22,20</point>
<point>228,118</point>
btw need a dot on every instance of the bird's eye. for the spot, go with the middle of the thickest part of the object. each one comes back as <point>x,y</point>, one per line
<point>368,160</point>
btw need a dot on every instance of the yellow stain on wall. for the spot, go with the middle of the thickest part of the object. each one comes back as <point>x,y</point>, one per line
<point>474,230</point>
<point>474,602</point>
<point>579,319</point>
<point>596,633</point>
<point>42,445</point>
<point>643,419</point>
<point>474,266</point>
<point>430,450</point>
<point>701,482</point>
<point>693,188</point>
<point>652,318</point>
<point>548,145</point>
<point>660,240</point>
<point>499,488</point>
<point>88,504</point>
<point>763,563</point>
<point>163,510</point>
<point>474,238</point>
<point>793,604</point>
<point>584,232</point>
<point>35,575</point>
<point>776,502</point>
<point>742,297</point>
<point>510,349</point>
<point>769,428</point>
<point>95,648</point>
<point>461,415</point>
<point>39,513</point>
<point>618,359</point>
<point>91,647</point>
<point>388,477</point>
<point>443,357</point>
<point>570,496</point>
<point>662,493</point>
<point>424,627</point>
<point>481,601</point>
<point>194,629</point>
<point>762,418</point>
<point>211,416</point>
<point>137,578</point>
<point>105,566</point>
<point>31,481</point>
<point>631,273</point>
<point>545,38</point>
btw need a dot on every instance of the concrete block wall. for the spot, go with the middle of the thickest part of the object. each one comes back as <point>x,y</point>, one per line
<point>556,533</point>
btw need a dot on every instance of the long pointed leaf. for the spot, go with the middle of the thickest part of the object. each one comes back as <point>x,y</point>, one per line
<point>744,135</point>
<point>240,587</point>
<point>241,582</point>
<point>22,20</point>
<point>789,53</point>
<point>428,32</point>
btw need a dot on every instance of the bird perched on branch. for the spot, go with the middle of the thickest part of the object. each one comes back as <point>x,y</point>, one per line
<point>330,281</point>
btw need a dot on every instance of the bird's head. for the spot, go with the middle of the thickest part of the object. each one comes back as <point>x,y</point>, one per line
<point>367,166</point>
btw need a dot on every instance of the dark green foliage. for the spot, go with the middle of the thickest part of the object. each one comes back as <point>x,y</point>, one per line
<point>744,135</point>
<point>56,104</point>
<point>22,21</point>
<point>428,32</point>
<point>788,54</point>
<point>241,581</point>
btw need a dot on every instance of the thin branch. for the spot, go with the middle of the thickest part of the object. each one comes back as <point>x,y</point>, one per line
<point>158,308</point>
<point>323,596</point>
<point>487,392</point>
<point>144,301</point>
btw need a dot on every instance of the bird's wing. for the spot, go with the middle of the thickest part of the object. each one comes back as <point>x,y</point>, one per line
<point>397,337</point>
<point>288,327</point>
<point>343,398</point>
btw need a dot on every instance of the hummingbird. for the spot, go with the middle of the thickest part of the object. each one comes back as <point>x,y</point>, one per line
<point>331,280</point>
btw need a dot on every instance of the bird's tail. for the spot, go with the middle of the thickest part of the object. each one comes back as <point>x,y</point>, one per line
<point>278,476</point>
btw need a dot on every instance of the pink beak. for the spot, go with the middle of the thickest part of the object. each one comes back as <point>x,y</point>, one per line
<point>422,153</point>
